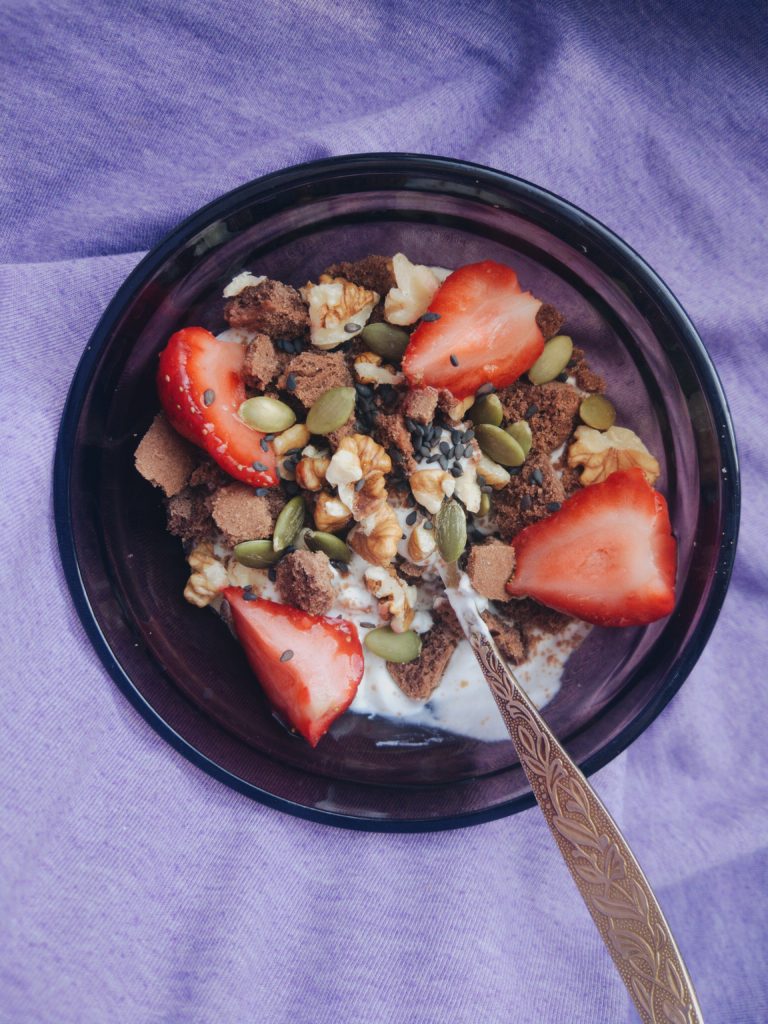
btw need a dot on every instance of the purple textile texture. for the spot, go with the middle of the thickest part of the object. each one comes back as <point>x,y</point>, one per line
<point>134,887</point>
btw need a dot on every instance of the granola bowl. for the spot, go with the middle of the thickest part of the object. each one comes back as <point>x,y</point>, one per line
<point>181,667</point>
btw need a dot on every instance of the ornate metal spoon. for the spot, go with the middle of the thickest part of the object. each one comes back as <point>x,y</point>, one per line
<point>610,880</point>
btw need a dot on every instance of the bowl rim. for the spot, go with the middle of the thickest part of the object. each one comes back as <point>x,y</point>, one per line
<point>313,172</point>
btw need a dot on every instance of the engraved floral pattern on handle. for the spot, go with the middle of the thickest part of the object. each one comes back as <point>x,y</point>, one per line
<point>609,878</point>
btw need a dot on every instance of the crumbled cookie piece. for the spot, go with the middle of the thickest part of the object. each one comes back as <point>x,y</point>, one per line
<point>489,567</point>
<point>420,678</point>
<point>535,622</point>
<point>271,308</point>
<point>261,364</point>
<point>533,494</point>
<point>421,405</point>
<point>550,409</point>
<point>586,378</point>
<point>374,273</point>
<point>393,433</point>
<point>208,475</point>
<point>164,458</point>
<point>411,571</point>
<point>549,321</point>
<point>305,580</point>
<point>444,615</point>
<point>507,636</point>
<point>313,373</point>
<point>189,515</point>
<point>241,514</point>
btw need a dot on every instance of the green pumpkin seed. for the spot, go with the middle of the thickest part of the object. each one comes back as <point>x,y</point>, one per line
<point>596,411</point>
<point>329,544</point>
<point>331,410</point>
<point>498,445</point>
<point>267,414</point>
<point>289,522</point>
<point>451,530</point>
<point>397,647</point>
<point>487,410</point>
<point>385,340</point>
<point>521,431</point>
<point>552,361</point>
<point>485,504</point>
<point>256,554</point>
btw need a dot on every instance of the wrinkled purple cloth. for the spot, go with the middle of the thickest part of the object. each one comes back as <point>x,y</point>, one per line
<point>134,887</point>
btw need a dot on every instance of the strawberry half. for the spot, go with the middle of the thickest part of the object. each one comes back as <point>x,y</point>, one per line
<point>486,322</point>
<point>314,683</point>
<point>607,556</point>
<point>201,389</point>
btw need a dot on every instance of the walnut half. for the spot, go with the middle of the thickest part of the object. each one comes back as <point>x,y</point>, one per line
<point>338,310</point>
<point>376,537</point>
<point>208,577</point>
<point>397,599</point>
<point>604,452</point>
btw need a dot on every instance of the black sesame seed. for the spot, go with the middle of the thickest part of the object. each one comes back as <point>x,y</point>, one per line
<point>411,518</point>
<point>537,477</point>
<point>525,502</point>
<point>429,318</point>
<point>260,467</point>
<point>269,437</point>
<point>468,435</point>
<point>351,327</point>
<point>435,458</point>
<point>454,360</point>
<point>429,525</point>
<point>410,501</point>
<point>515,470</point>
<point>458,451</point>
<point>248,595</point>
<point>445,448</point>
<point>263,444</point>
<point>456,470</point>
<point>485,389</point>
<point>290,382</point>
<point>571,363</point>
<point>368,625</point>
<point>553,506</point>
<point>364,389</point>
<point>360,484</point>
<point>530,411</point>
<point>288,550</point>
<point>455,436</point>
<point>272,573</point>
<point>261,492</point>
<point>286,655</point>
<point>339,566</point>
<point>208,396</point>
<point>562,377</point>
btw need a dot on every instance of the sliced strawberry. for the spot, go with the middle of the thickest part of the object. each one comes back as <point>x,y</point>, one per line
<point>607,556</point>
<point>309,666</point>
<point>201,389</point>
<point>485,322</point>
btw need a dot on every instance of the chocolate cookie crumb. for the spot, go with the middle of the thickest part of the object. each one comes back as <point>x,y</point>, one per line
<point>372,272</point>
<point>241,514</point>
<point>164,458</point>
<point>393,430</point>
<point>524,501</point>
<point>271,308</point>
<point>305,579</point>
<point>507,636</point>
<point>549,321</point>
<point>189,515</point>
<point>489,567</point>
<point>552,410</point>
<point>421,405</point>
<point>261,364</point>
<point>586,378</point>
<point>314,373</point>
<point>420,678</point>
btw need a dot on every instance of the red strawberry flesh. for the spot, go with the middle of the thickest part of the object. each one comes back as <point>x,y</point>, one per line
<point>309,666</point>
<point>201,389</point>
<point>607,556</point>
<point>486,322</point>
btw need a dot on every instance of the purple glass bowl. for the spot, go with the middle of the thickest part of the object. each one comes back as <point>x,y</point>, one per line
<point>180,666</point>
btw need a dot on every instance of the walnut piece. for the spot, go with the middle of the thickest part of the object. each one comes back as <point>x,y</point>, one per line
<point>330,513</point>
<point>311,468</point>
<point>241,282</point>
<point>208,578</point>
<point>415,289</point>
<point>604,452</point>
<point>421,544</point>
<point>371,369</point>
<point>376,537</point>
<point>397,599</point>
<point>294,437</point>
<point>467,488</point>
<point>358,469</point>
<point>336,304</point>
<point>430,486</point>
<point>492,473</point>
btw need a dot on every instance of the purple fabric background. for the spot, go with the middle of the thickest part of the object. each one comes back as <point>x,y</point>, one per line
<point>134,887</point>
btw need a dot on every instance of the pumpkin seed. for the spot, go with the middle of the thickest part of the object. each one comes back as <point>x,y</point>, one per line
<point>498,445</point>
<point>552,361</point>
<point>597,412</point>
<point>487,410</point>
<point>331,410</point>
<point>385,340</point>
<point>256,554</point>
<point>451,530</point>
<point>289,522</point>
<point>485,505</point>
<point>521,431</point>
<point>267,414</point>
<point>397,647</point>
<point>334,547</point>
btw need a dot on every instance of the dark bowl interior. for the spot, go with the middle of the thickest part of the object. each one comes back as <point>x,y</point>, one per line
<point>181,666</point>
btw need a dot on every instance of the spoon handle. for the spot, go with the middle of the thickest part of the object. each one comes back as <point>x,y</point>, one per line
<point>610,880</point>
